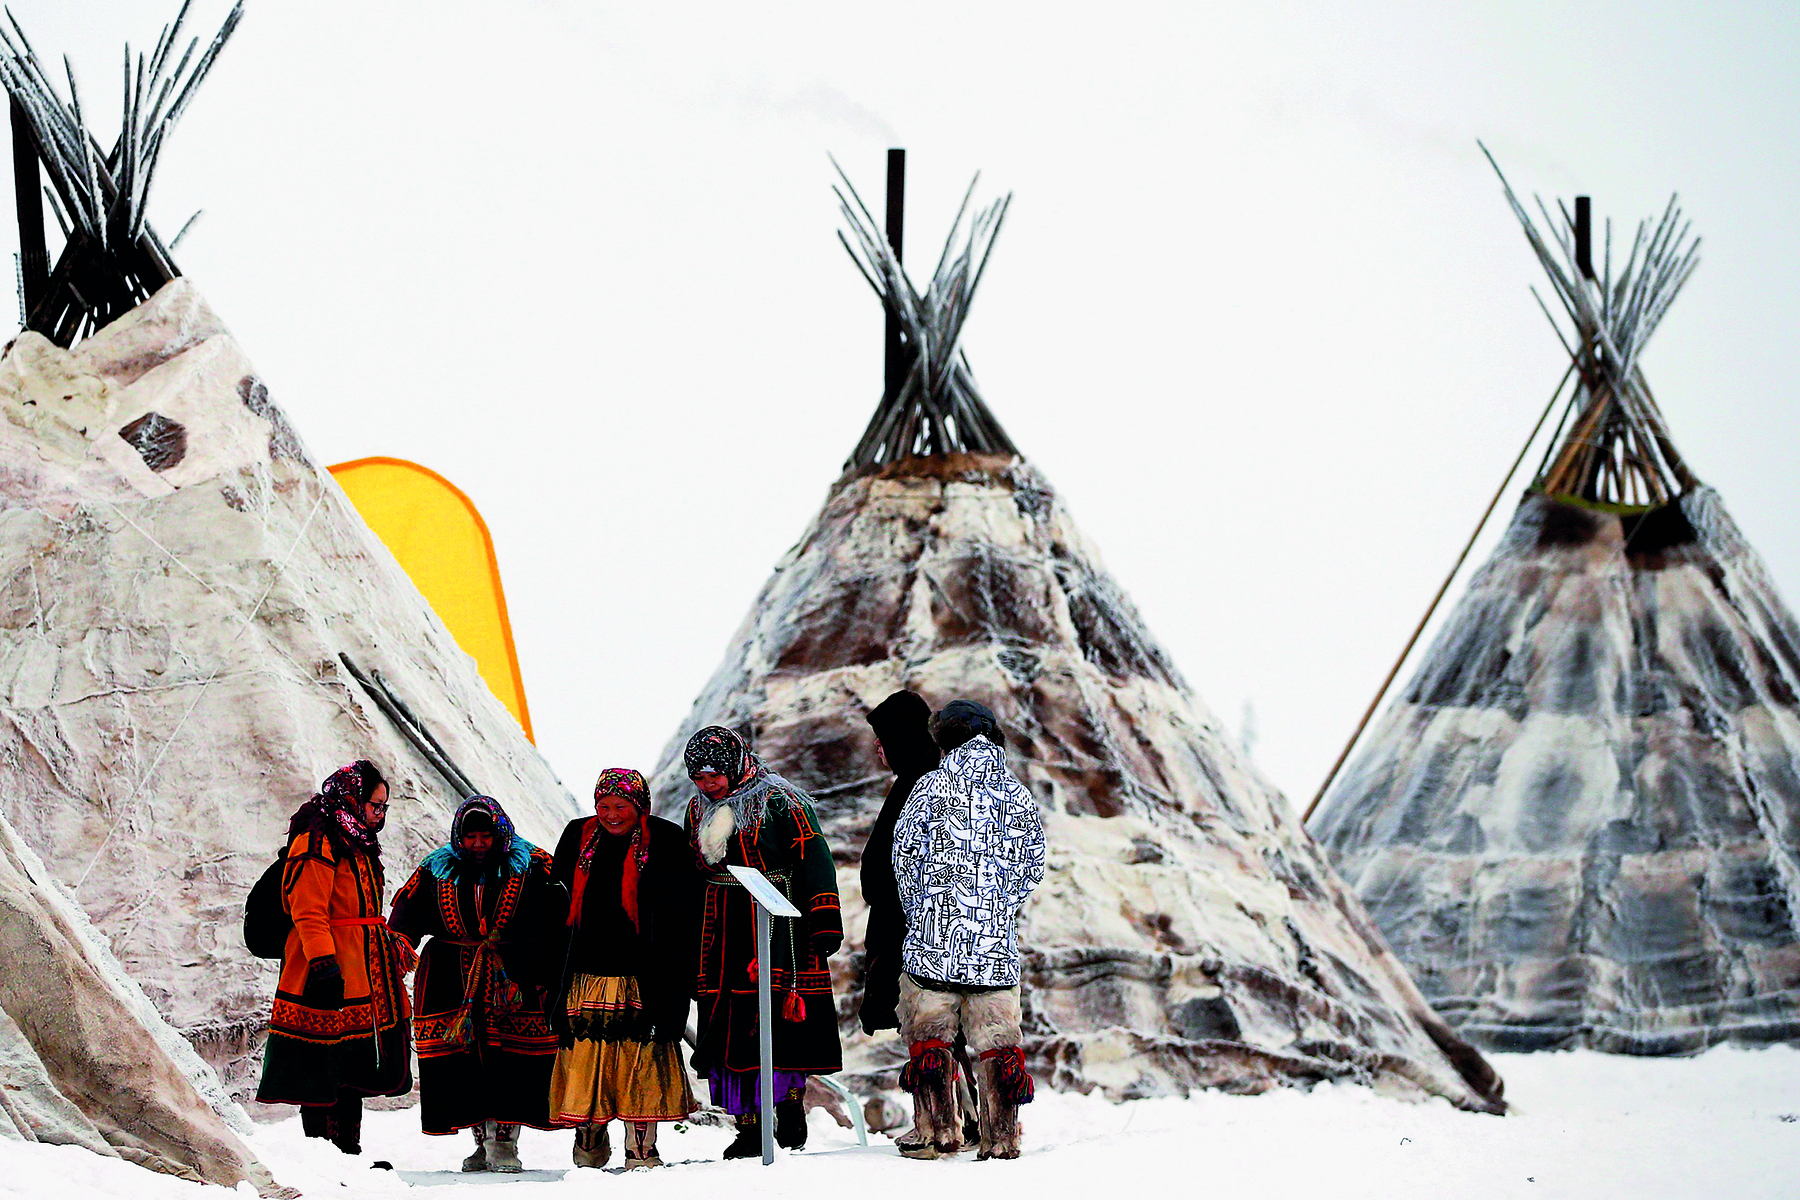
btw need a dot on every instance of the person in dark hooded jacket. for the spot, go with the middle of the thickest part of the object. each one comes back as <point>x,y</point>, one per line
<point>904,746</point>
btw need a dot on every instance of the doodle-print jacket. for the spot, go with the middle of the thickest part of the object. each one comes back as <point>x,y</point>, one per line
<point>968,850</point>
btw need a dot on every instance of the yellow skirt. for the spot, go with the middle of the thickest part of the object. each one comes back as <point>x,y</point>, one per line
<point>597,1081</point>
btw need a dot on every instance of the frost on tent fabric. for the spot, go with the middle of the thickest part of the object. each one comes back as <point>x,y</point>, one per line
<point>1188,933</point>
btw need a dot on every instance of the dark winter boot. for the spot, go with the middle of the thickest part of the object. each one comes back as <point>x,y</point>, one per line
<point>749,1139</point>
<point>790,1124</point>
<point>342,1124</point>
<point>315,1120</point>
<point>592,1148</point>
<point>478,1161</point>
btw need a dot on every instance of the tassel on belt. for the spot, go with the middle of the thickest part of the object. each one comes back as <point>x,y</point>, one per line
<point>486,971</point>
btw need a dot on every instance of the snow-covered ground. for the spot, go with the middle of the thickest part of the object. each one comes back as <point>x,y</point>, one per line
<point>1725,1124</point>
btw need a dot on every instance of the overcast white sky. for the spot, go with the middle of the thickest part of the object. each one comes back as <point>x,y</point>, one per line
<point>1259,311</point>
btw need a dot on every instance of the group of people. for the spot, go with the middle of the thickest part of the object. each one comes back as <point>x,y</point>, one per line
<point>553,990</point>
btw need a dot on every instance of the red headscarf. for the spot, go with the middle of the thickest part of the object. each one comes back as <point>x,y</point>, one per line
<point>626,784</point>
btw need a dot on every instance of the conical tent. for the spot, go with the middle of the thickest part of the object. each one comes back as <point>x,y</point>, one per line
<point>1580,823</point>
<point>181,612</point>
<point>1188,932</point>
<point>195,625</point>
<point>87,1061</point>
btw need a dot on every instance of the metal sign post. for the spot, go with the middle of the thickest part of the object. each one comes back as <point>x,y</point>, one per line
<point>769,903</point>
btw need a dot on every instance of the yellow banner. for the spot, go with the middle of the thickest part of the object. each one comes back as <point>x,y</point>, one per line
<point>440,540</point>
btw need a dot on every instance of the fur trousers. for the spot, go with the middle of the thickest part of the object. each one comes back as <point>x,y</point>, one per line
<point>987,1021</point>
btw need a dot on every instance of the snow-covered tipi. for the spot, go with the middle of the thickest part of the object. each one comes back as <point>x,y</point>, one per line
<point>1188,933</point>
<point>1580,823</point>
<point>186,598</point>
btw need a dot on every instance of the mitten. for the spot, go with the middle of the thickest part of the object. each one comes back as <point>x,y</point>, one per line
<point>324,983</point>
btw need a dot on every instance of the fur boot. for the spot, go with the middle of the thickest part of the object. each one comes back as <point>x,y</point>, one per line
<point>592,1148</point>
<point>1004,1086</point>
<point>478,1161</point>
<point>640,1145</point>
<point>340,1123</point>
<point>991,1023</point>
<point>503,1149</point>
<point>790,1124</point>
<point>930,1076</point>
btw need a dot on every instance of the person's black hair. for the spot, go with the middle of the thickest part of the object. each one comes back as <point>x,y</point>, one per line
<point>371,777</point>
<point>960,720</point>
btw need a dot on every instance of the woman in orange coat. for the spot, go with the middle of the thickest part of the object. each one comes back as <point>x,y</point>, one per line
<point>339,1030</point>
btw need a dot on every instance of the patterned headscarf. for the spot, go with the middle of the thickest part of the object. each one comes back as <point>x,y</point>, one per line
<point>336,810</point>
<point>511,853</point>
<point>626,784</point>
<point>719,749</point>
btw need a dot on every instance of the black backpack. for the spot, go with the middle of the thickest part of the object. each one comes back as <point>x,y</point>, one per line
<point>266,920</point>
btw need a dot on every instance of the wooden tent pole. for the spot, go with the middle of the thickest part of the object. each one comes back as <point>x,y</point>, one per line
<point>894,359</point>
<point>28,195</point>
<point>1432,607</point>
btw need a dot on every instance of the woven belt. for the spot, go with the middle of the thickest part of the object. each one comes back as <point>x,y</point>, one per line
<point>338,922</point>
<point>729,880</point>
<point>471,941</point>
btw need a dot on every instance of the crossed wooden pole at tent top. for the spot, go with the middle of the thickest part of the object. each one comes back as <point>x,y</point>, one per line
<point>111,259</point>
<point>1617,452</point>
<point>929,404</point>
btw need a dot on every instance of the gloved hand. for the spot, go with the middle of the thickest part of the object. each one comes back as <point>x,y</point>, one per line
<point>825,943</point>
<point>324,983</point>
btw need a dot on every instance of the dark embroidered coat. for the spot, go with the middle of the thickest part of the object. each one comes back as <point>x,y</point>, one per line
<point>787,847</point>
<point>661,952</point>
<point>493,1062</point>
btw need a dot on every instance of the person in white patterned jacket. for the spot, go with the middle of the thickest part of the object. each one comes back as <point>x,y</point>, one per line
<point>968,851</point>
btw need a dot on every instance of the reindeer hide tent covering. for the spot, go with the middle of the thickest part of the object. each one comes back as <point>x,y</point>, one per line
<point>86,1059</point>
<point>178,580</point>
<point>1580,823</point>
<point>1188,932</point>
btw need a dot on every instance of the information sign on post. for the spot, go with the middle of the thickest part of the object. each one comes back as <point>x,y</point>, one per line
<point>769,903</point>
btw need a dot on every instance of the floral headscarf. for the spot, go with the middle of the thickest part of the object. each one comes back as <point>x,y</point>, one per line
<point>626,784</point>
<point>511,853</point>
<point>336,809</point>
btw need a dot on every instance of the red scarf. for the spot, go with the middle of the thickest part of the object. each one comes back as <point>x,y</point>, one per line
<point>628,785</point>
